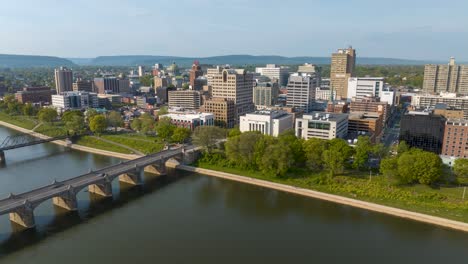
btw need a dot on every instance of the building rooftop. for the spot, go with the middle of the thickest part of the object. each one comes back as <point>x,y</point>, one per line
<point>324,116</point>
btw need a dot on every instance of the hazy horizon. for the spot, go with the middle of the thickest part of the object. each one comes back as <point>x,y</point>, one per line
<point>414,30</point>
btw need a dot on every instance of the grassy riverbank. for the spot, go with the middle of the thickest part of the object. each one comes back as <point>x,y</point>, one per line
<point>142,143</point>
<point>442,202</point>
<point>19,120</point>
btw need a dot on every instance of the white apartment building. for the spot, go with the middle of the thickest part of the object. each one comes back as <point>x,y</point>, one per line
<point>322,125</point>
<point>75,100</point>
<point>324,94</point>
<point>301,91</point>
<point>361,87</point>
<point>273,71</point>
<point>191,119</point>
<point>267,122</point>
<point>388,96</point>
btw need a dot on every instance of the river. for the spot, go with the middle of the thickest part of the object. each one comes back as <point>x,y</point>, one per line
<point>189,218</point>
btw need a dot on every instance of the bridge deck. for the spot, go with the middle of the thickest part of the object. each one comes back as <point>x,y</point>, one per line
<point>57,188</point>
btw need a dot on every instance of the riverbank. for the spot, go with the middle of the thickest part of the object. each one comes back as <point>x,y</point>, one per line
<point>331,198</point>
<point>72,146</point>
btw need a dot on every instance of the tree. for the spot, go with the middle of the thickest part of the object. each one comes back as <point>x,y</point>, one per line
<point>90,113</point>
<point>296,145</point>
<point>389,167</point>
<point>279,160</point>
<point>185,86</point>
<point>164,128</point>
<point>314,148</point>
<point>207,136</point>
<point>380,151</point>
<point>147,123</point>
<point>114,119</point>
<point>419,166</point>
<point>136,124</point>
<point>28,109</point>
<point>98,124</point>
<point>234,132</point>
<point>70,115</point>
<point>241,149</point>
<point>362,150</point>
<point>402,148</point>
<point>47,115</point>
<point>75,124</point>
<point>163,111</point>
<point>460,168</point>
<point>181,134</point>
<point>336,155</point>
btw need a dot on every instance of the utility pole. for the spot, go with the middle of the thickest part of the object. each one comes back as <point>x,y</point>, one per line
<point>464,191</point>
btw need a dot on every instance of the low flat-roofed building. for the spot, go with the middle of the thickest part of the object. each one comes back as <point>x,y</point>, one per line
<point>268,122</point>
<point>188,99</point>
<point>224,111</point>
<point>75,100</point>
<point>39,94</point>
<point>322,125</point>
<point>191,120</point>
<point>363,123</point>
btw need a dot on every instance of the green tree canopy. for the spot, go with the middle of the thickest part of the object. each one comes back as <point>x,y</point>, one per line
<point>207,136</point>
<point>241,149</point>
<point>314,148</point>
<point>336,155</point>
<point>164,128</point>
<point>419,166</point>
<point>362,151</point>
<point>75,124</point>
<point>47,114</point>
<point>460,168</point>
<point>98,124</point>
<point>28,109</point>
<point>114,119</point>
<point>90,113</point>
<point>147,123</point>
<point>68,116</point>
<point>181,134</point>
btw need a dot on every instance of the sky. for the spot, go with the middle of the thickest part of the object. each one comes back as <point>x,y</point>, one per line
<point>408,29</point>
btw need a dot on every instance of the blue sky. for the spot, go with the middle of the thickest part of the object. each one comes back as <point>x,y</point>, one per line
<point>413,29</point>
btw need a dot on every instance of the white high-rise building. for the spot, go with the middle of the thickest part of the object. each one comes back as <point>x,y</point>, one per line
<point>301,91</point>
<point>274,72</point>
<point>361,87</point>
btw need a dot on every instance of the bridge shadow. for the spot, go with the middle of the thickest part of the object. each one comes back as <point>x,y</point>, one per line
<point>64,220</point>
<point>35,157</point>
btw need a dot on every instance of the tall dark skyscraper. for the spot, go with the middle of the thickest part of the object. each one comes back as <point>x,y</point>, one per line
<point>423,130</point>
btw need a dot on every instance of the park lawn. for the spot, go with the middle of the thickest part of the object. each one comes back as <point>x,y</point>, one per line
<point>92,142</point>
<point>141,143</point>
<point>52,130</point>
<point>19,120</point>
<point>443,202</point>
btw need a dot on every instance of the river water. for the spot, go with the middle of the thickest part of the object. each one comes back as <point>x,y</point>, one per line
<point>190,218</point>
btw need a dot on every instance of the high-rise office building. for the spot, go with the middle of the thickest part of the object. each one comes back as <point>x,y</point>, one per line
<point>235,85</point>
<point>106,85</point>
<point>141,71</point>
<point>455,143</point>
<point>83,85</point>
<point>446,78</point>
<point>265,95</point>
<point>301,91</point>
<point>160,82</point>
<point>196,72</point>
<point>184,98</point>
<point>63,80</point>
<point>274,72</point>
<point>224,111</point>
<point>342,68</point>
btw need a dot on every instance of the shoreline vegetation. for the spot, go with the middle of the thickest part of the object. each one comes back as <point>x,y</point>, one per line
<point>443,206</point>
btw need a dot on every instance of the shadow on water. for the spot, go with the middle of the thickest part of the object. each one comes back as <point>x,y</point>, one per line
<point>98,205</point>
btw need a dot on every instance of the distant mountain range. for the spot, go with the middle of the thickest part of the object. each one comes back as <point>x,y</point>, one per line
<point>26,61</point>
<point>21,61</point>
<point>130,60</point>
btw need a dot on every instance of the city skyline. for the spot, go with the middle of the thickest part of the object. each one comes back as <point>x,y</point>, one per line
<point>86,29</point>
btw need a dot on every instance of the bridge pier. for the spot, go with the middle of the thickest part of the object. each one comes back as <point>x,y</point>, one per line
<point>66,201</point>
<point>133,177</point>
<point>158,168</point>
<point>102,189</point>
<point>23,216</point>
<point>2,157</point>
